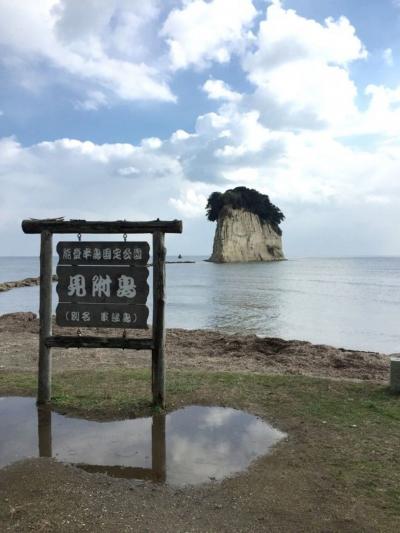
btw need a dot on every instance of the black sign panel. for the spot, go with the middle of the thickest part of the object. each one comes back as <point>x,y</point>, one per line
<point>103,253</point>
<point>102,315</point>
<point>103,284</point>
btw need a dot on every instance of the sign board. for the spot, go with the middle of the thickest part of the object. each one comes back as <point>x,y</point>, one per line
<point>102,284</point>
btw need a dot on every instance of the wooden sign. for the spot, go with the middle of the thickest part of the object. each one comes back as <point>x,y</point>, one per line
<point>102,284</point>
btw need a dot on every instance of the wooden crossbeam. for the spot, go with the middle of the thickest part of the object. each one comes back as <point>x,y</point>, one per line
<point>86,226</point>
<point>69,341</point>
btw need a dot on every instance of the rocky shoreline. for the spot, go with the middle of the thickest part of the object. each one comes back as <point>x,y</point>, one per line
<point>194,350</point>
<point>26,282</point>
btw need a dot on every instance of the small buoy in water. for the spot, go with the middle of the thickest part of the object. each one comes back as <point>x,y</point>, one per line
<point>179,256</point>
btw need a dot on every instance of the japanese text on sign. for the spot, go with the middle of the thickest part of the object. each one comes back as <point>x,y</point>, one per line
<point>85,253</point>
<point>115,316</point>
<point>106,284</point>
<point>102,284</point>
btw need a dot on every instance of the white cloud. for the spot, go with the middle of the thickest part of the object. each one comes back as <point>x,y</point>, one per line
<point>388,57</point>
<point>298,136</point>
<point>219,90</point>
<point>94,100</point>
<point>152,143</point>
<point>303,167</point>
<point>103,43</point>
<point>180,135</point>
<point>284,36</point>
<point>202,32</point>
<point>300,70</point>
<point>306,94</point>
<point>128,171</point>
<point>192,200</point>
<point>382,116</point>
<point>226,147</point>
<point>246,135</point>
<point>82,179</point>
<point>173,177</point>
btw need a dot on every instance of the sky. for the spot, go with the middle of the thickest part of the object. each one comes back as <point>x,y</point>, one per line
<point>139,109</point>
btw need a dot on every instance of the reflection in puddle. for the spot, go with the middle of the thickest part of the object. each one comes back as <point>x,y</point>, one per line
<point>189,446</point>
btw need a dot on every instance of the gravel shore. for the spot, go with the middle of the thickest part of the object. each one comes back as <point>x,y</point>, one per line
<point>191,349</point>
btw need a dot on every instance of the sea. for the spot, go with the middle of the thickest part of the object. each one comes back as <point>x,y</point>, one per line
<point>351,302</point>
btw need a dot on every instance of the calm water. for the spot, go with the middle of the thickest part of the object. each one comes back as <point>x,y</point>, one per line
<point>347,302</point>
<point>189,446</point>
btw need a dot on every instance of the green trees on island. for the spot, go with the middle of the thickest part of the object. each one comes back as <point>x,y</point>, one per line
<point>248,199</point>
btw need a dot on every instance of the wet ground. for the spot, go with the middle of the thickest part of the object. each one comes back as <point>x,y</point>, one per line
<point>189,446</point>
<point>337,471</point>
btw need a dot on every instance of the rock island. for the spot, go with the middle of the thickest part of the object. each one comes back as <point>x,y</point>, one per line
<point>247,226</point>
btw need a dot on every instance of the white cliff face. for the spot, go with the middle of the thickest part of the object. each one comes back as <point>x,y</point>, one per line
<point>242,236</point>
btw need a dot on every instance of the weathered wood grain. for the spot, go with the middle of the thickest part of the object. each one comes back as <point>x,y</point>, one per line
<point>97,226</point>
<point>158,353</point>
<point>81,341</point>
<point>45,309</point>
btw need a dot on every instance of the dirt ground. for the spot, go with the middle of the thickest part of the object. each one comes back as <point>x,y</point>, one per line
<point>43,495</point>
<point>300,487</point>
<point>191,349</point>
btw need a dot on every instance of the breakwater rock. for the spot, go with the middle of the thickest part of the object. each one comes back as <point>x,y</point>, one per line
<point>26,282</point>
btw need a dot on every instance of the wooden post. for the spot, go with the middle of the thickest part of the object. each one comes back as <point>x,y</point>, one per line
<point>158,363</point>
<point>45,310</point>
<point>158,448</point>
<point>44,431</point>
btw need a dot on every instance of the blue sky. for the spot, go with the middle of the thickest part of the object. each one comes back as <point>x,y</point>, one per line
<point>138,110</point>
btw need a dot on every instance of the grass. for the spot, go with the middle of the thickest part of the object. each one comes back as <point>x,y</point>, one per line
<point>350,432</point>
<point>106,393</point>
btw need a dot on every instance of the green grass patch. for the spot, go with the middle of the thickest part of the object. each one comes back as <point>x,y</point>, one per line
<point>349,432</point>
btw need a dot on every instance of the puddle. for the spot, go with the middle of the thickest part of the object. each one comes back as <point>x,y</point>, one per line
<point>190,446</point>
